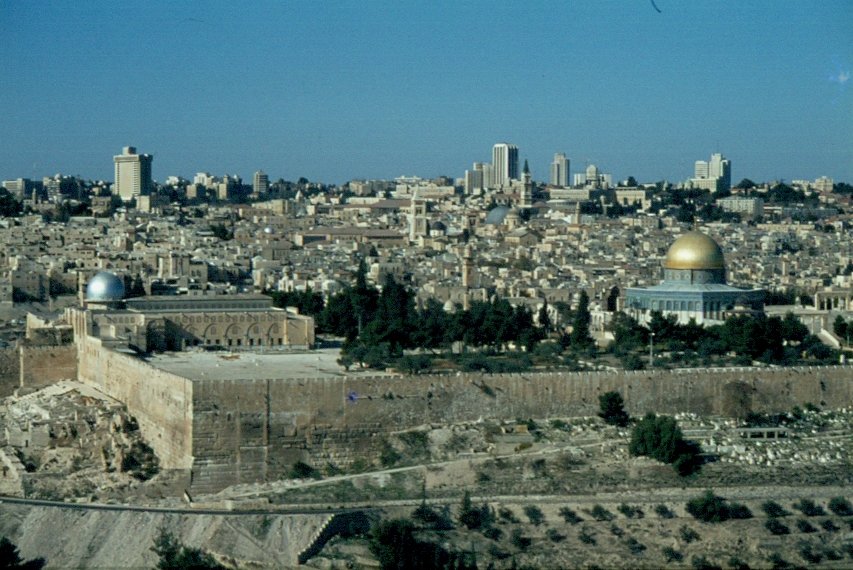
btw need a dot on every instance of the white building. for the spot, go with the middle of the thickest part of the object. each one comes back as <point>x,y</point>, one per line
<point>260,183</point>
<point>560,170</point>
<point>132,174</point>
<point>505,163</point>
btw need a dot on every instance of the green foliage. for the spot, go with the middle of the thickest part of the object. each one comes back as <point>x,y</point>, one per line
<point>659,437</point>
<point>809,508</point>
<point>174,555</point>
<point>688,535</point>
<point>9,206</point>
<point>11,558</point>
<point>736,563</point>
<point>672,555</point>
<point>429,516</point>
<point>570,516</point>
<point>395,546</point>
<point>840,506</point>
<point>829,526</point>
<point>507,515</point>
<point>302,470</point>
<point>664,512</point>
<point>580,337</point>
<point>520,541</point>
<point>635,546</point>
<point>474,518</point>
<point>612,409</point>
<point>599,513</point>
<point>709,508</point>
<point>773,509</point>
<point>222,232</point>
<point>307,302</point>
<point>805,526</point>
<point>630,512</point>
<point>554,535</point>
<point>534,514</point>
<point>776,527</point>
<point>702,563</point>
<point>586,537</point>
<point>140,461</point>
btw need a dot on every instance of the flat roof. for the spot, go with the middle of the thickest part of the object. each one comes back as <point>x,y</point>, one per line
<point>289,365</point>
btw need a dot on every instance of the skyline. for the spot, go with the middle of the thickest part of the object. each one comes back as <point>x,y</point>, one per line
<point>340,91</point>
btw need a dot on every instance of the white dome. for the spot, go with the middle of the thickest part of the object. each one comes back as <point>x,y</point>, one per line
<point>105,286</point>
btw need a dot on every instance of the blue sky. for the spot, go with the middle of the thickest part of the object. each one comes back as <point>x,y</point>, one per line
<point>335,90</point>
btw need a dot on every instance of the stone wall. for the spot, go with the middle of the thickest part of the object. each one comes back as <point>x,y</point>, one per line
<point>161,402</point>
<point>10,371</point>
<point>42,366</point>
<point>251,430</point>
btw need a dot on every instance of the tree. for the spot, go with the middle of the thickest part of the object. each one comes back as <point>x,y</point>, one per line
<point>543,318</point>
<point>11,558</point>
<point>841,327</point>
<point>793,329</point>
<point>709,508</point>
<point>612,408</point>
<point>580,336</point>
<point>660,437</point>
<point>174,555</point>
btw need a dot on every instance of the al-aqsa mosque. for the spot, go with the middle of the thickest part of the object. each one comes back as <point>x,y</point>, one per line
<point>694,286</point>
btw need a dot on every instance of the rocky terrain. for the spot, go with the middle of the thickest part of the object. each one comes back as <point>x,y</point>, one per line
<point>556,493</point>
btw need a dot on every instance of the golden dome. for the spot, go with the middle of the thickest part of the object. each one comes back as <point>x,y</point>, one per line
<point>694,250</point>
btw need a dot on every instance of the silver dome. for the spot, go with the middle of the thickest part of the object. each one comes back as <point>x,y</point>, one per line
<point>105,286</point>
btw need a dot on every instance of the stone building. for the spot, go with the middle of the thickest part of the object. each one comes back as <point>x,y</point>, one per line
<point>179,322</point>
<point>694,286</point>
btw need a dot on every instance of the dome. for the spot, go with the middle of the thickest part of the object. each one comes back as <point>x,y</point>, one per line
<point>496,216</point>
<point>105,286</point>
<point>694,250</point>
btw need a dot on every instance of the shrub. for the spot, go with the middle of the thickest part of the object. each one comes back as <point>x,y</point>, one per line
<point>829,526</point>
<point>11,558</point>
<point>776,527</point>
<point>810,555</point>
<point>708,508</point>
<point>672,555</point>
<point>554,535</point>
<point>585,537</point>
<point>472,517</point>
<point>664,512</point>
<point>140,461</point>
<point>688,535</point>
<point>630,512</point>
<point>301,470</point>
<point>534,514</point>
<point>841,507</point>
<point>613,409</point>
<point>570,516</point>
<point>599,513</point>
<point>739,511</point>
<point>173,554</point>
<point>809,508</point>
<point>736,563</point>
<point>507,515</point>
<point>773,509</point>
<point>659,437</point>
<point>805,526</point>
<point>431,517</point>
<point>702,563</point>
<point>493,533</point>
<point>616,531</point>
<point>520,541</point>
<point>777,562</point>
<point>636,547</point>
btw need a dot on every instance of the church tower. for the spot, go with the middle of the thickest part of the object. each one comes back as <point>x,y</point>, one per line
<point>418,225</point>
<point>526,197</point>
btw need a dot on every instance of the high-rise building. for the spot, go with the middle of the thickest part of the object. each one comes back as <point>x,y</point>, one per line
<point>720,168</point>
<point>132,174</point>
<point>505,163</point>
<point>260,183</point>
<point>714,175</point>
<point>473,181</point>
<point>560,170</point>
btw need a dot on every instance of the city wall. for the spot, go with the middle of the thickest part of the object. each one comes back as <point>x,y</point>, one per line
<point>42,366</point>
<point>10,371</point>
<point>250,430</point>
<point>161,402</point>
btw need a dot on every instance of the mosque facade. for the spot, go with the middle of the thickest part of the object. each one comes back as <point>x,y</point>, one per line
<point>180,322</point>
<point>694,286</point>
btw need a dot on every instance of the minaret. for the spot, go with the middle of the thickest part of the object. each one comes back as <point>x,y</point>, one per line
<point>526,198</point>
